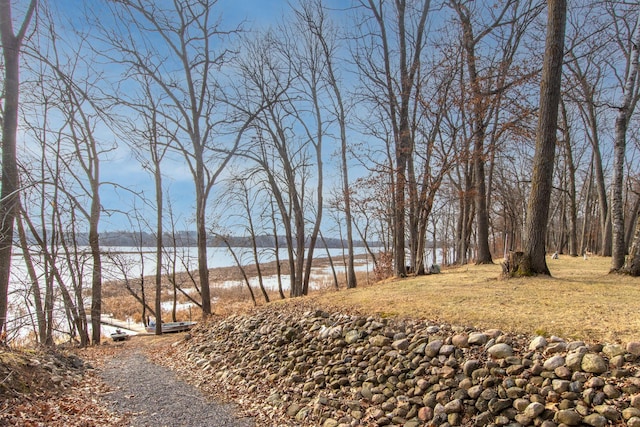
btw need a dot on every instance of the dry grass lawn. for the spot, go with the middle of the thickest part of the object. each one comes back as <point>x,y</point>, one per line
<point>580,301</point>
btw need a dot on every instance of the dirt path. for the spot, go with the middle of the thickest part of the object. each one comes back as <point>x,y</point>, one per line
<point>155,397</point>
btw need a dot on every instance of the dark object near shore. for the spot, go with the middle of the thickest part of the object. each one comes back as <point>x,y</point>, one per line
<point>118,335</point>
<point>170,327</point>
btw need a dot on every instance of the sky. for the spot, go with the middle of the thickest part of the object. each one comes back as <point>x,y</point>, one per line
<point>123,169</point>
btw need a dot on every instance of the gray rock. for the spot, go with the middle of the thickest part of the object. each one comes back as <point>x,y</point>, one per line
<point>477,338</point>
<point>574,361</point>
<point>613,350</point>
<point>447,350</point>
<point>483,419</point>
<point>608,411</point>
<point>633,422</point>
<point>635,401</point>
<point>594,363</point>
<point>553,363</point>
<point>500,351</point>
<point>433,348</point>
<point>460,340</point>
<point>352,336</point>
<point>498,405</point>
<point>470,366</point>
<point>474,391</point>
<point>557,347</point>
<point>595,382</point>
<point>533,410</point>
<point>330,422</point>
<point>537,343</point>
<point>401,344</point>
<point>455,406</point>
<point>560,386</point>
<point>595,420</point>
<point>634,348</point>
<point>611,391</point>
<point>568,416</point>
<point>630,412</point>
<point>379,341</point>
<point>573,345</point>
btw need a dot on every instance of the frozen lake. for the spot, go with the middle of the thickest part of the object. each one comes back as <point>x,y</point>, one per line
<point>129,262</point>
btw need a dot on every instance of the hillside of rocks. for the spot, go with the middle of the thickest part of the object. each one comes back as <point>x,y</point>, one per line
<point>312,367</point>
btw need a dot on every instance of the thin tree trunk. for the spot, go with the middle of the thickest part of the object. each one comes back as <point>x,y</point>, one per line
<point>276,245</point>
<point>573,209</point>
<point>633,260</point>
<point>619,150</point>
<point>242,271</point>
<point>9,194</point>
<point>631,220</point>
<point>35,283</point>
<point>96,270</point>
<point>157,176</point>
<point>479,132</point>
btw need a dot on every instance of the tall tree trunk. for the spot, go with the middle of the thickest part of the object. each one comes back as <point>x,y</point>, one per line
<point>619,153</point>
<point>320,31</point>
<point>542,178</point>
<point>201,232</point>
<point>479,112</point>
<point>157,176</point>
<point>9,194</point>
<point>573,209</point>
<point>399,109</point>
<point>96,269</point>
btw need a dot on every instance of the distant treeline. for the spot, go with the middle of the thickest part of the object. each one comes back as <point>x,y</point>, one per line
<point>188,239</point>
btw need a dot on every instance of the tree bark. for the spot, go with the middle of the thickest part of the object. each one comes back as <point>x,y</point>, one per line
<point>632,266</point>
<point>573,209</point>
<point>9,194</point>
<point>542,178</point>
<point>618,247</point>
<point>409,52</point>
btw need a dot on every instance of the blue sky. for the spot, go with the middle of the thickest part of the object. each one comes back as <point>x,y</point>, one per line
<point>255,12</point>
<point>122,168</point>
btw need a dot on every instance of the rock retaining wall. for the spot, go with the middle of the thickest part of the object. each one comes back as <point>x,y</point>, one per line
<point>343,370</point>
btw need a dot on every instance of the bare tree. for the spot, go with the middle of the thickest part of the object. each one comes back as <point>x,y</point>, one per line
<point>180,47</point>
<point>10,192</point>
<point>488,82</point>
<point>571,172</point>
<point>630,97</point>
<point>588,77</point>
<point>534,258</point>
<point>149,138</point>
<point>313,16</point>
<point>389,75</point>
<point>242,203</point>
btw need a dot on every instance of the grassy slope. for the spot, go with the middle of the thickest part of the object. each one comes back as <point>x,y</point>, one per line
<point>580,301</point>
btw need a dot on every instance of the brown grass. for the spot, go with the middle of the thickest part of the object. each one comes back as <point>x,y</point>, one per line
<point>580,301</point>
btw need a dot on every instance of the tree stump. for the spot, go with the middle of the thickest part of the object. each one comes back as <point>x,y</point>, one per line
<point>516,265</point>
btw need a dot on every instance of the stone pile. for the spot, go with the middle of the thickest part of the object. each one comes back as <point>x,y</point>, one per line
<point>27,372</point>
<point>346,370</point>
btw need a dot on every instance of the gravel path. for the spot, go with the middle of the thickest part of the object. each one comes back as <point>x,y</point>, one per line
<point>157,398</point>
